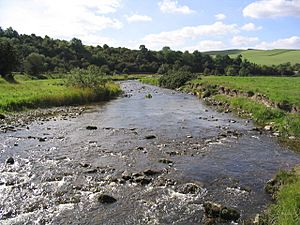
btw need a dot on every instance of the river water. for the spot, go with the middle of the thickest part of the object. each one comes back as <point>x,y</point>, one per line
<point>61,168</point>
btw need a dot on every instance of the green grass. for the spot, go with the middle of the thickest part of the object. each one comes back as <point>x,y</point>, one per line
<point>286,211</point>
<point>45,93</point>
<point>264,57</point>
<point>150,80</point>
<point>277,89</point>
<point>131,76</point>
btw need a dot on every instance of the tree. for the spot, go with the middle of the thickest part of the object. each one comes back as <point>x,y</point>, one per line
<point>231,71</point>
<point>8,58</point>
<point>35,64</point>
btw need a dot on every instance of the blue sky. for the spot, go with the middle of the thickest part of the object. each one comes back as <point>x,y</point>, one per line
<point>180,24</point>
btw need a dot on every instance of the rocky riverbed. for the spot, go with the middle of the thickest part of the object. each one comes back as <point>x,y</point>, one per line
<point>135,160</point>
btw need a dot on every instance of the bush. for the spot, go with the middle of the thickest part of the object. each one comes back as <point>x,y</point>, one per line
<point>175,79</point>
<point>92,77</point>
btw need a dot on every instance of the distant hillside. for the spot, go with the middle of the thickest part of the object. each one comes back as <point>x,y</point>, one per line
<point>263,57</point>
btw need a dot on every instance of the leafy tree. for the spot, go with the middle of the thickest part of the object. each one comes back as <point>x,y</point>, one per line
<point>35,64</point>
<point>231,71</point>
<point>175,78</point>
<point>8,58</point>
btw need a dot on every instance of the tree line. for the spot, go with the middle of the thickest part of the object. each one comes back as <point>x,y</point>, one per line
<point>37,55</point>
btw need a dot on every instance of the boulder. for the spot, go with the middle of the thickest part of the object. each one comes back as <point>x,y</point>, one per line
<point>151,172</point>
<point>91,128</point>
<point>214,210</point>
<point>165,161</point>
<point>143,180</point>
<point>2,117</point>
<point>190,188</point>
<point>106,199</point>
<point>10,161</point>
<point>126,175</point>
<point>150,137</point>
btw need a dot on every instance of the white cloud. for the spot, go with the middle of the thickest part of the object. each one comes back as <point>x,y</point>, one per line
<point>180,36</point>
<point>172,6</point>
<point>61,19</point>
<point>250,27</point>
<point>272,8</point>
<point>207,45</point>
<point>243,41</point>
<point>220,16</point>
<point>138,18</point>
<point>286,43</point>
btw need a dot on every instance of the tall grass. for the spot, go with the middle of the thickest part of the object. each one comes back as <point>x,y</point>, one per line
<point>150,80</point>
<point>46,93</point>
<point>286,211</point>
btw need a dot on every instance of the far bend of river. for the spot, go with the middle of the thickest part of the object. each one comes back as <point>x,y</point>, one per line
<point>58,180</point>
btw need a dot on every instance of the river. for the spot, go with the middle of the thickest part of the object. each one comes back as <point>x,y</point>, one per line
<point>144,153</point>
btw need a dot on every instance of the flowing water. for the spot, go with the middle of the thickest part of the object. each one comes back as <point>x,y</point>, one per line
<point>61,168</point>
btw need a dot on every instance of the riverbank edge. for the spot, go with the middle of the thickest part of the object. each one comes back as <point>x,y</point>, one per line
<point>72,97</point>
<point>280,123</point>
<point>285,185</point>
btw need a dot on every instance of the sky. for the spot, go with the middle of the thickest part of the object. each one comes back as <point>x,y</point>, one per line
<point>180,24</point>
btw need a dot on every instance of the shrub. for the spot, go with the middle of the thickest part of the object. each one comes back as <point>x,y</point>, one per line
<point>175,79</point>
<point>92,77</point>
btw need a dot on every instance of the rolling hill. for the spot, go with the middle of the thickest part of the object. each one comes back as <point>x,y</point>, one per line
<point>263,57</point>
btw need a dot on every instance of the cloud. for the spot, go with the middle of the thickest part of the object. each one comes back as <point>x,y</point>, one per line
<point>61,19</point>
<point>243,41</point>
<point>180,36</point>
<point>172,6</point>
<point>220,16</point>
<point>272,8</point>
<point>286,43</point>
<point>138,18</point>
<point>250,27</point>
<point>207,45</point>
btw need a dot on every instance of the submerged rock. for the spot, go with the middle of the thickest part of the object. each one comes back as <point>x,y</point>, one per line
<point>214,210</point>
<point>151,172</point>
<point>165,161</point>
<point>106,199</point>
<point>42,139</point>
<point>150,137</point>
<point>2,117</point>
<point>190,188</point>
<point>91,128</point>
<point>143,180</point>
<point>10,161</point>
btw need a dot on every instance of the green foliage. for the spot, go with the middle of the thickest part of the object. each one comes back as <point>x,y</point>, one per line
<point>287,192</point>
<point>92,77</point>
<point>46,55</point>
<point>46,93</point>
<point>175,78</point>
<point>8,57</point>
<point>150,80</point>
<point>35,64</point>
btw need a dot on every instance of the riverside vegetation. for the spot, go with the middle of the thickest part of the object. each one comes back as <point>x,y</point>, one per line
<point>81,87</point>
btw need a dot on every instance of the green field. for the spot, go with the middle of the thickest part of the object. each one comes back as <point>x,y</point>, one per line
<point>277,89</point>
<point>44,93</point>
<point>263,57</point>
